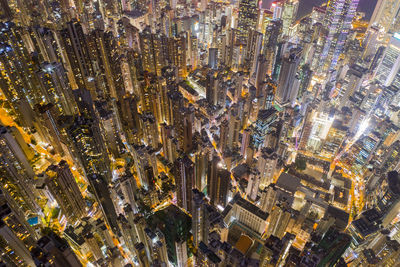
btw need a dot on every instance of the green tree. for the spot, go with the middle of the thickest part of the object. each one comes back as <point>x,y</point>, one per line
<point>300,163</point>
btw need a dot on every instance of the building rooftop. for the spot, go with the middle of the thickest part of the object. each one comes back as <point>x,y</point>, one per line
<point>244,243</point>
<point>288,182</point>
<point>251,208</point>
<point>342,217</point>
<point>341,195</point>
<point>394,182</point>
<point>364,227</point>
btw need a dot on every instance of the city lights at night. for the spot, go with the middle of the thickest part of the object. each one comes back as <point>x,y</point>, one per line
<point>216,133</point>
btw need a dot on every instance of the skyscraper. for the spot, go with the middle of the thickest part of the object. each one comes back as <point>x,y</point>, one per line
<point>153,49</point>
<point>247,20</point>
<point>75,44</point>
<point>253,48</point>
<point>184,180</point>
<point>197,216</point>
<point>52,249</point>
<point>56,88</point>
<point>199,133</point>
<point>389,66</point>
<point>181,253</point>
<point>89,146</point>
<point>218,185</point>
<point>16,236</point>
<point>289,15</point>
<point>389,202</point>
<point>5,10</point>
<point>266,165</point>
<point>17,174</point>
<point>271,39</point>
<point>64,188</point>
<point>102,194</point>
<point>265,119</point>
<point>286,90</point>
<point>18,82</point>
<point>338,18</point>
<point>385,15</point>
<point>278,221</point>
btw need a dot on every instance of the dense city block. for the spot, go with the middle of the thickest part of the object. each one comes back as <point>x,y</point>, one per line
<point>216,133</point>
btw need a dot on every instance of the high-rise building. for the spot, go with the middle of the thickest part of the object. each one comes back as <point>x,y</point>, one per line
<point>52,249</point>
<point>129,118</point>
<point>338,18</point>
<point>271,39</point>
<point>253,184</point>
<point>247,214</point>
<point>16,144</point>
<point>305,75</point>
<point>45,43</point>
<point>234,129</point>
<point>6,12</point>
<point>201,165</point>
<point>385,15</point>
<point>321,124</point>
<point>17,236</point>
<point>371,41</point>
<point>181,123</point>
<point>247,19</point>
<point>49,130</point>
<point>289,14</point>
<point>64,188</point>
<point>106,63</point>
<point>199,132</point>
<point>334,140</point>
<point>152,46</point>
<point>388,68</point>
<point>197,216</point>
<point>170,144</point>
<point>362,151</point>
<point>161,248</point>
<point>390,159</point>
<point>287,89</point>
<point>13,250</point>
<point>148,125</point>
<point>140,251</point>
<point>268,198</point>
<point>278,221</point>
<point>75,43</point>
<point>261,69</point>
<point>184,180</point>
<point>276,9</point>
<point>18,81</point>
<point>102,194</point>
<point>246,137</point>
<point>218,184</point>
<point>390,198</point>
<point>16,173</point>
<point>328,250</point>
<point>177,50</point>
<point>266,165</point>
<point>181,253</point>
<point>109,127</point>
<point>223,135</point>
<point>213,58</point>
<point>263,124</point>
<point>89,147</point>
<point>56,88</point>
<point>273,248</point>
<point>128,188</point>
<point>253,49</point>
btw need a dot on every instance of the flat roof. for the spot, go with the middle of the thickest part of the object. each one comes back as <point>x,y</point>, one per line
<point>288,182</point>
<point>252,208</point>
